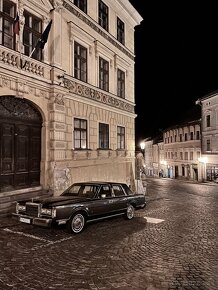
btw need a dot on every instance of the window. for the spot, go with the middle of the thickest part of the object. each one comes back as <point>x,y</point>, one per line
<point>81,4</point>
<point>120,31</point>
<point>120,83</point>
<point>191,135</point>
<point>103,15</point>
<point>186,155</point>
<point>103,74</point>
<point>191,155</point>
<point>7,15</point>
<point>103,136</point>
<point>80,62</point>
<point>208,145</point>
<point>32,32</point>
<point>105,189</point>
<point>208,121</point>
<point>117,190</point>
<point>186,136</point>
<point>80,134</point>
<point>175,138</point>
<point>180,137</point>
<point>175,155</point>
<point>120,137</point>
<point>198,154</point>
<point>198,135</point>
<point>181,156</point>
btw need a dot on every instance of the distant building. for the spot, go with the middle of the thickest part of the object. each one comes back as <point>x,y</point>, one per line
<point>176,153</point>
<point>182,149</point>
<point>67,113</point>
<point>209,131</point>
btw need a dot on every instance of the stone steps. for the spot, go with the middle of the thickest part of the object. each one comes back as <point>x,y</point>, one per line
<point>8,199</point>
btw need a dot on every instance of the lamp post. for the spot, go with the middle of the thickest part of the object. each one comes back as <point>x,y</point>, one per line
<point>142,168</point>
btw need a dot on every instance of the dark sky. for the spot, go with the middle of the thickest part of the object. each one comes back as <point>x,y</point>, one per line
<point>176,48</point>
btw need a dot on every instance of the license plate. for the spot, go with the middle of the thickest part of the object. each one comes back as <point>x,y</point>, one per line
<point>25,220</point>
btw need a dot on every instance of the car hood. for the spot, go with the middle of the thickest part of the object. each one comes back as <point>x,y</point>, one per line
<point>60,200</point>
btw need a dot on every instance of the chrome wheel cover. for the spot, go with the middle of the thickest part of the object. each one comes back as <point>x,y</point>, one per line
<point>78,223</point>
<point>130,212</point>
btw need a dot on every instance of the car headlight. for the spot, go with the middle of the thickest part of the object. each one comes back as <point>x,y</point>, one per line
<point>47,211</point>
<point>21,207</point>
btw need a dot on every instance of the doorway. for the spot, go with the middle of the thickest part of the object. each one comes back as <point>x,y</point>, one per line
<point>20,144</point>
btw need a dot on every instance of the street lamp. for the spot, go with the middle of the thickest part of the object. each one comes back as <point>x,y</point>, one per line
<point>142,146</point>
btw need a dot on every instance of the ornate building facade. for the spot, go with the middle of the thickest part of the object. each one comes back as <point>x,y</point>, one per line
<point>182,150</point>
<point>66,109</point>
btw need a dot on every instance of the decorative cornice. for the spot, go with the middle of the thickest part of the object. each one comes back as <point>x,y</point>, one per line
<point>97,29</point>
<point>96,95</point>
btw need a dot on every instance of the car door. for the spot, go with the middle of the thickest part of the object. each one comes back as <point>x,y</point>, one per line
<point>120,198</point>
<point>103,204</point>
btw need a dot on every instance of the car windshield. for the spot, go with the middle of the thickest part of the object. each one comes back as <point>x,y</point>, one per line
<point>88,191</point>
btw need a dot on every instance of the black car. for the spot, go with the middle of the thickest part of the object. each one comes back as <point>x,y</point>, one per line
<point>81,203</point>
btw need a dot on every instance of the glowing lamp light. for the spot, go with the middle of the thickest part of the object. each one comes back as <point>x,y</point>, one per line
<point>203,159</point>
<point>142,145</point>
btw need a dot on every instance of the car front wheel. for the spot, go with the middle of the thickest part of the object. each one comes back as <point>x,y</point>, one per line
<point>77,223</point>
<point>130,212</point>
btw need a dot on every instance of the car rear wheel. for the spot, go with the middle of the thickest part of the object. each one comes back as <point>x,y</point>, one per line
<point>130,211</point>
<point>77,223</point>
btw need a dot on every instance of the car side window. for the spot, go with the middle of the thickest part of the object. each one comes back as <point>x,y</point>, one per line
<point>105,189</point>
<point>117,190</point>
<point>88,191</point>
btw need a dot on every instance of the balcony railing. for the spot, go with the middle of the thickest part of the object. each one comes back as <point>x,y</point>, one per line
<point>21,63</point>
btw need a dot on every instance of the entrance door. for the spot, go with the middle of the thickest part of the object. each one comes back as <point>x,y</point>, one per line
<point>176,171</point>
<point>20,146</point>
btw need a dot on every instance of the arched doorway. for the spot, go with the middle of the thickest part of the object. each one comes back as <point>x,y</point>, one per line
<point>20,144</point>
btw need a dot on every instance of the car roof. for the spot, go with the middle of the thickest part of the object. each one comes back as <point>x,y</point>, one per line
<point>97,182</point>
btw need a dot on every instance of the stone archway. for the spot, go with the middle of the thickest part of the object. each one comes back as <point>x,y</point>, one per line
<point>20,144</point>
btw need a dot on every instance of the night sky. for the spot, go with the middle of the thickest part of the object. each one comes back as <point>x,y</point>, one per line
<point>176,48</point>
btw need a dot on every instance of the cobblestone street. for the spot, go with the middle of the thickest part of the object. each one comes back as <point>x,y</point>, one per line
<point>172,244</point>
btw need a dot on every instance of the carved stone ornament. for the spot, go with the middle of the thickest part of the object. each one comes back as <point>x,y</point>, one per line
<point>59,99</point>
<point>96,95</point>
<point>11,107</point>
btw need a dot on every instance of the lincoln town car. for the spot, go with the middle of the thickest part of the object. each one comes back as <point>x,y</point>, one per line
<point>80,204</point>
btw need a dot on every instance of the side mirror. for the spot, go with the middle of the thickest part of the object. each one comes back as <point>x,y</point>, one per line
<point>103,195</point>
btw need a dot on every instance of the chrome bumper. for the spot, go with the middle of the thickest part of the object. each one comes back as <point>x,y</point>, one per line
<point>44,222</point>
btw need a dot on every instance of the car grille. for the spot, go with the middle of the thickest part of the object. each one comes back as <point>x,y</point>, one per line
<point>32,209</point>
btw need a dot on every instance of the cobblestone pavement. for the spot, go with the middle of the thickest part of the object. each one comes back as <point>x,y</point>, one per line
<point>174,248</point>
